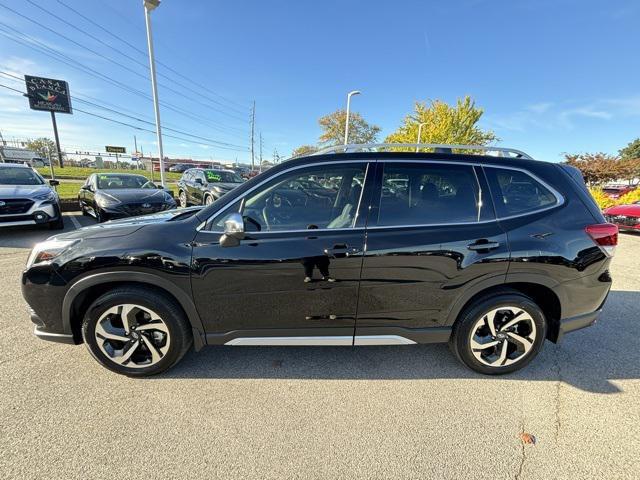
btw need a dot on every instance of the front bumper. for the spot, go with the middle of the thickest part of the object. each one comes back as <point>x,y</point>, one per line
<point>40,213</point>
<point>40,330</point>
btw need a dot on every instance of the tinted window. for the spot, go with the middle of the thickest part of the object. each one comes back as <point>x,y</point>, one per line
<point>305,199</point>
<point>516,192</point>
<point>215,176</point>
<point>109,182</point>
<point>186,176</point>
<point>422,194</point>
<point>19,176</point>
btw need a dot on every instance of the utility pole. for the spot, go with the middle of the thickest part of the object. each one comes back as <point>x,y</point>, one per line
<point>260,149</point>
<point>149,5</point>
<point>253,124</point>
<point>135,150</point>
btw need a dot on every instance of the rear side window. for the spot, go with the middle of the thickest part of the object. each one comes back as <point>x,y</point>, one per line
<point>429,193</point>
<point>517,193</point>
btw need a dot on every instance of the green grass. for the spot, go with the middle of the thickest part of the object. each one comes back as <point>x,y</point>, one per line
<point>79,173</point>
<point>69,190</point>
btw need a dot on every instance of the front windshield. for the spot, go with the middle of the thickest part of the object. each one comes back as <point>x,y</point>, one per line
<point>221,176</point>
<point>111,182</point>
<point>19,176</point>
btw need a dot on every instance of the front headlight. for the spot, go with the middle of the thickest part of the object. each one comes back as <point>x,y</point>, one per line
<point>50,195</point>
<point>45,252</point>
<point>107,201</point>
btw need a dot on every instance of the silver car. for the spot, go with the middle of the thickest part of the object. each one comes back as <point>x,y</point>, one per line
<point>27,199</point>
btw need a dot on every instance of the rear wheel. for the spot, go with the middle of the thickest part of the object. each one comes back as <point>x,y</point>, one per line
<point>208,199</point>
<point>135,331</point>
<point>500,334</point>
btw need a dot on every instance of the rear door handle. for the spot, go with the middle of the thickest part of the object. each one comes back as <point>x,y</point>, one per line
<point>483,245</point>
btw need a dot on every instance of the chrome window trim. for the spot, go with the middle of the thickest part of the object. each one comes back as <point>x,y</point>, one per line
<point>200,227</point>
<point>559,197</point>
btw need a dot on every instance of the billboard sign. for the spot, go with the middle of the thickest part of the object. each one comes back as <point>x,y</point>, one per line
<point>112,149</point>
<point>48,94</point>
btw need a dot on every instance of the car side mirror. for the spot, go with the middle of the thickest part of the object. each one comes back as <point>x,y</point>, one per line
<point>233,231</point>
<point>54,183</point>
<point>199,181</point>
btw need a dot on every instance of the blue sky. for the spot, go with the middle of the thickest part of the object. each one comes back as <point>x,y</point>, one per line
<point>553,76</point>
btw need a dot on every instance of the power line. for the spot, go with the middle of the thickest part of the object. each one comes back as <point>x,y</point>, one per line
<point>42,48</point>
<point>109,59</point>
<point>142,52</point>
<point>224,146</point>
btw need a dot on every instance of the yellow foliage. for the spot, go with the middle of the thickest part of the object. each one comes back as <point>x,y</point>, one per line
<point>604,201</point>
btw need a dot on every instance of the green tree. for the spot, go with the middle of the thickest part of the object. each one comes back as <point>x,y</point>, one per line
<point>360,131</point>
<point>44,147</point>
<point>303,150</point>
<point>444,124</point>
<point>631,151</point>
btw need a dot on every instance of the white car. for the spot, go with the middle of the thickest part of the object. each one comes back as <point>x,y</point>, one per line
<point>27,199</point>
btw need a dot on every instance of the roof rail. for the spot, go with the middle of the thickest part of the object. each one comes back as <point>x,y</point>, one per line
<point>438,148</point>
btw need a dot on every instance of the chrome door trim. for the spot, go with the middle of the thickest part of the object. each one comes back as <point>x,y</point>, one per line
<point>343,340</point>
<point>361,340</point>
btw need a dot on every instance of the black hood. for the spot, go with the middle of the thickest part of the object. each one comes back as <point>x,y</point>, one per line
<point>225,187</point>
<point>133,195</point>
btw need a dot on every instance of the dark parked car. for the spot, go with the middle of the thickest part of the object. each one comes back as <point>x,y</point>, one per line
<point>180,167</point>
<point>202,186</point>
<point>27,199</point>
<point>457,254</point>
<point>109,196</point>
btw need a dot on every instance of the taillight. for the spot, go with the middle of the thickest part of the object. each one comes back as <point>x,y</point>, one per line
<point>605,235</point>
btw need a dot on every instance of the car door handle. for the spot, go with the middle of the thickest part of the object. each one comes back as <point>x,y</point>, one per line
<point>483,245</point>
<point>341,250</point>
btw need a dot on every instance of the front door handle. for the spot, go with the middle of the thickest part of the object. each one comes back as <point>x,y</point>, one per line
<point>341,250</point>
<point>483,245</point>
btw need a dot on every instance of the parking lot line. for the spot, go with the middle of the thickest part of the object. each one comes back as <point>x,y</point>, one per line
<point>74,220</point>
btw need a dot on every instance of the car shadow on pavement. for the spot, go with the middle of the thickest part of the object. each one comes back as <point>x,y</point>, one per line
<point>591,359</point>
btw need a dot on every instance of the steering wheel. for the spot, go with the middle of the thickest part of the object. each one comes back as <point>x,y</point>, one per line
<point>277,210</point>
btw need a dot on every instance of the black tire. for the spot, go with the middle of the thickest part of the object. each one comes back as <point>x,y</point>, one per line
<point>83,209</point>
<point>460,341</point>
<point>182,198</point>
<point>101,217</point>
<point>169,311</point>
<point>208,199</point>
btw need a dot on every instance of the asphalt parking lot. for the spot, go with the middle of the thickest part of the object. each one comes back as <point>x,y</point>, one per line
<point>339,412</point>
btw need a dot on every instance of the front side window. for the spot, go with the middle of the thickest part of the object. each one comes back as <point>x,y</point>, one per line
<point>429,193</point>
<point>517,193</point>
<point>322,197</point>
<point>19,176</point>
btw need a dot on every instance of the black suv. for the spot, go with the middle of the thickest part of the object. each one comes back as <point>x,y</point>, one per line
<point>493,255</point>
<point>202,186</point>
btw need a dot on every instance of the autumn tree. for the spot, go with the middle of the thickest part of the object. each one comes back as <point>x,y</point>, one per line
<point>303,150</point>
<point>444,124</point>
<point>600,168</point>
<point>360,131</point>
<point>44,147</point>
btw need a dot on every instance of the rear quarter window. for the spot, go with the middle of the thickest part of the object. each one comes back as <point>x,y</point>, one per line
<point>517,193</point>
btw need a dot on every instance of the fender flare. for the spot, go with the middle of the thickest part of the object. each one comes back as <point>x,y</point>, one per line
<point>498,281</point>
<point>184,299</point>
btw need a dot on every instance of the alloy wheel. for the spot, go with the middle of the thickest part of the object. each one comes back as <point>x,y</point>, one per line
<point>183,199</point>
<point>208,200</point>
<point>503,336</point>
<point>132,336</point>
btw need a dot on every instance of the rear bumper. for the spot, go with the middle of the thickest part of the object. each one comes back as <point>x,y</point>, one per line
<point>572,324</point>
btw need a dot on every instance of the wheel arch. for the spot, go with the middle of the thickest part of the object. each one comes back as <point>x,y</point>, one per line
<point>539,288</point>
<point>82,293</point>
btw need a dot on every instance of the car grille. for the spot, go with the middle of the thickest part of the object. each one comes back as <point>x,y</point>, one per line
<point>623,220</point>
<point>135,209</point>
<point>15,206</point>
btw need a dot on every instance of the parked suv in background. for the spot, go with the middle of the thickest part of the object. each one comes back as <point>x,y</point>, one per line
<point>202,186</point>
<point>27,199</point>
<point>492,255</point>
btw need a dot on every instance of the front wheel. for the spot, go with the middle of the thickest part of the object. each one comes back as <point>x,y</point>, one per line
<point>136,331</point>
<point>182,196</point>
<point>500,334</point>
<point>208,200</point>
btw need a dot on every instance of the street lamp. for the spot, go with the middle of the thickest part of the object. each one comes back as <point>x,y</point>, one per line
<point>419,134</point>
<point>346,127</point>
<point>149,6</point>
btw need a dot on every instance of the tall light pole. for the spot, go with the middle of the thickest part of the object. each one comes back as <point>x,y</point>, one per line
<point>419,135</point>
<point>346,126</point>
<point>149,6</point>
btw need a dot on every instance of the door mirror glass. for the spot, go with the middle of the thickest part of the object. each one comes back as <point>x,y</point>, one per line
<point>233,231</point>
<point>54,183</point>
<point>199,181</point>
